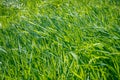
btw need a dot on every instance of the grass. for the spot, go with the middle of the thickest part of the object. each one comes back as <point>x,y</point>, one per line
<point>60,40</point>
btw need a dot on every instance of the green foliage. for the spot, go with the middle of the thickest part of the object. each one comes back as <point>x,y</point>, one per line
<point>60,40</point>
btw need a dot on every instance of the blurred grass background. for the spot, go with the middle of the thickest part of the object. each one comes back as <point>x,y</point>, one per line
<point>60,40</point>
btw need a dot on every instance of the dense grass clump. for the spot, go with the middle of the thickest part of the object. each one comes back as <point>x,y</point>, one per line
<point>60,40</point>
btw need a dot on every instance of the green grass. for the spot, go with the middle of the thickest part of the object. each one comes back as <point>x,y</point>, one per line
<point>60,40</point>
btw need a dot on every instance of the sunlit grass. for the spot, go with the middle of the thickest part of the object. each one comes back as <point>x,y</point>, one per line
<point>60,40</point>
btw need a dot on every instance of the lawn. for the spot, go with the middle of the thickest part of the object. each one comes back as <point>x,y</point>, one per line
<point>60,40</point>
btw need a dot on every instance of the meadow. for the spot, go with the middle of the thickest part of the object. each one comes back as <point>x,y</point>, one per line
<point>60,40</point>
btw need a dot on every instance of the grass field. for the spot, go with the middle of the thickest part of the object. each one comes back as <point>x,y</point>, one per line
<point>60,40</point>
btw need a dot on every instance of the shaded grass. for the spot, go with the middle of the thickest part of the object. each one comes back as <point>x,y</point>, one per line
<point>61,40</point>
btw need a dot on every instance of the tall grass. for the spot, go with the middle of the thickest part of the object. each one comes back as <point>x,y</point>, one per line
<point>60,40</point>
